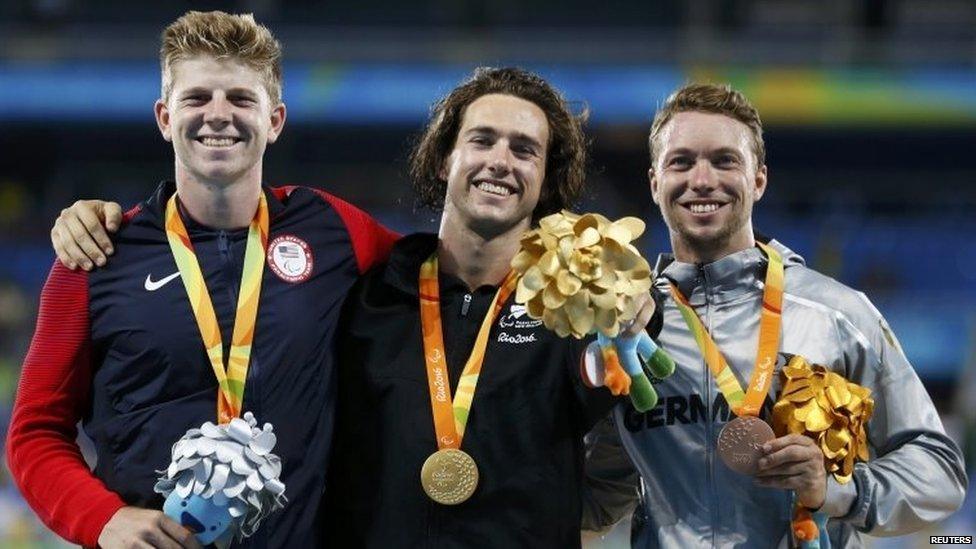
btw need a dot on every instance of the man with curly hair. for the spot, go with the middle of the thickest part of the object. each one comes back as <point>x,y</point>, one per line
<point>500,151</point>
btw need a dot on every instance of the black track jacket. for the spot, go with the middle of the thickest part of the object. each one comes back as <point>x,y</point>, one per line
<point>525,430</point>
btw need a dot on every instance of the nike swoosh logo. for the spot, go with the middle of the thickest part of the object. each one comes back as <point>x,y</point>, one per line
<point>152,286</point>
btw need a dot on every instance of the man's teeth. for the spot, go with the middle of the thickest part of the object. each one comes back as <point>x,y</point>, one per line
<point>704,208</point>
<point>218,141</point>
<point>494,189</point>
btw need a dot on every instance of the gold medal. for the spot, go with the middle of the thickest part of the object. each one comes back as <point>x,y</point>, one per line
<point>449,476</point>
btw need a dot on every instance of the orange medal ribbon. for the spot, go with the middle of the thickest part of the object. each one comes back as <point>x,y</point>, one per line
<point>744,403</point>
<point>230,381</point>
<point>450,419</point>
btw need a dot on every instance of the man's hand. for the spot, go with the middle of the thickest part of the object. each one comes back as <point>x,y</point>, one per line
<point>645,310</point>
<point>794,462</point>
<point>79,237</point>
<point>131,527</point>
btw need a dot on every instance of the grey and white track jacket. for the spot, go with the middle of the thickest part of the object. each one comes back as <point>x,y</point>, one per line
<point>915,475</point>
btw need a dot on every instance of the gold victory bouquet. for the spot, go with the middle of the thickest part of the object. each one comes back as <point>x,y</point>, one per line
<point>829,409</point>
<point>581,274</point>
<point>832,411</point>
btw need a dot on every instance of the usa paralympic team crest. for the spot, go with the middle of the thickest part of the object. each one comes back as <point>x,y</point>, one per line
<point>290,258</point>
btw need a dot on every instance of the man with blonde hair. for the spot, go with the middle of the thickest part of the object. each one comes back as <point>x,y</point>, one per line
<point>212,265</point>
<point>708,169</point>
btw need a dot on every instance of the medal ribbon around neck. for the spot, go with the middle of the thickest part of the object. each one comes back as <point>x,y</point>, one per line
<point>230,382</point>
<point>450,419</point>
<point>744,403</point>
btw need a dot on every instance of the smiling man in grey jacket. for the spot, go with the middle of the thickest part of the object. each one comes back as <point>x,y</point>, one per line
<point>708,170</point>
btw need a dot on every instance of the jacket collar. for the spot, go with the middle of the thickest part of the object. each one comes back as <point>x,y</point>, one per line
<point>403,267</point>
<point>156,206</point>
<point>723,280</point>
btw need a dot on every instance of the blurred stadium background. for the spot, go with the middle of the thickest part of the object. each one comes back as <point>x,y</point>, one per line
<point>869,105</point>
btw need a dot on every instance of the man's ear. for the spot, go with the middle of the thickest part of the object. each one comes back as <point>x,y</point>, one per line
<point>443,172</point>
<point>652,181</point>
<point>162,119</point>
<point>278,115</point>
<point>760,183</point>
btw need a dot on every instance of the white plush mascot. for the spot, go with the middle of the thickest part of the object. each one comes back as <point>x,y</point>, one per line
<point>223,480</point>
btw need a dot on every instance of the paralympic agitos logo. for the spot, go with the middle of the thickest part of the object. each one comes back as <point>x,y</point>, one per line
<point>517,318</point>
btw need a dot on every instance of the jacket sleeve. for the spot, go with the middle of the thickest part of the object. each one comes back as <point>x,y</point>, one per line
<point>44,459</point>
<point>916,474</point>
<point>610,487</point>
<point>371,241</point>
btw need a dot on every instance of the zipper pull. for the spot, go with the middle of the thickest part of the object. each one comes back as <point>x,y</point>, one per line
<point>466,304</point>
<point>222,242</point>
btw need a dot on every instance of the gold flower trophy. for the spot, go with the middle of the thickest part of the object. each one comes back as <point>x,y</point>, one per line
<point>580,274</point>
<point>832,411</point>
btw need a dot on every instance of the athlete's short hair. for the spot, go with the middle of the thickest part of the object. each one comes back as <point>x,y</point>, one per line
<point>710,98</point>
<point>565,152</point>
<point>222,35</point>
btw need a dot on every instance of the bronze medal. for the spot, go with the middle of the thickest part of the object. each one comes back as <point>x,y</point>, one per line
<point>740,443</point>
<point>449,476</point>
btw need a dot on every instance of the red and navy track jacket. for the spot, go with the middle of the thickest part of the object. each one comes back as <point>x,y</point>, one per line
<point>119,350</point>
